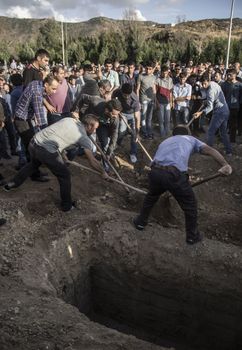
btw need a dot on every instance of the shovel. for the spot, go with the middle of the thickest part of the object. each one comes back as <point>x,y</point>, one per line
<point>164,201</point>
<point>138,141</point>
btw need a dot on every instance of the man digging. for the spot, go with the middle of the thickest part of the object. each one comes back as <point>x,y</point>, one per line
<point>169,173</point>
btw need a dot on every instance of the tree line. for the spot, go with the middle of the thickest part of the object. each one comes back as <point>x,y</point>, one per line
<point>129,42</point>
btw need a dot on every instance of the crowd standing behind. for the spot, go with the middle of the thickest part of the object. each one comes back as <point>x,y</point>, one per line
<point>37,95</point>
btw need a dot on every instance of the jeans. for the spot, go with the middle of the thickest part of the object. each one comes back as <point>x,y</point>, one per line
<point>146,117</point>
<point>219,122</point>
<point>176,182</point>
<point>164,117</point>
<point>103,133</point>
<point>123,131</point>
<point>182,115</point>
<point>39,155</point>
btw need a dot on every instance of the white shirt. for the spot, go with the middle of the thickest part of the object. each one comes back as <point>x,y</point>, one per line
<point>182,91</point>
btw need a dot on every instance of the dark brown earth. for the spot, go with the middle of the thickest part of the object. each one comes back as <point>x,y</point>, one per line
<point>151,284</point>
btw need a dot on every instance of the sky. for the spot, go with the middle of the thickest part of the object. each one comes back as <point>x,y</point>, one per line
<point>161,11</point>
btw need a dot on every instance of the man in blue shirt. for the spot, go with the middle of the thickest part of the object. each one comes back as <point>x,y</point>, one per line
<point>169,173</point>
<point>216,103</point>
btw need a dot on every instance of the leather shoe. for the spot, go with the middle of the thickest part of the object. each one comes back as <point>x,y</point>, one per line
<point>194,240</point>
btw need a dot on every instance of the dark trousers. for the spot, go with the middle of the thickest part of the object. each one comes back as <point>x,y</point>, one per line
<point>3,143</point>
<point>11,134</point>
<point>176,182</point>
<point>26,131</point>
<point>240,121</point>
<point>55,117</point>
<point>233,124</point>
<point>53,161</point>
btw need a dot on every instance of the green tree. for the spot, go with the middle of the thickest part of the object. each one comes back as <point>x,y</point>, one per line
<point>4,51</point>
<point>50,39</point>
<point>26,52</point>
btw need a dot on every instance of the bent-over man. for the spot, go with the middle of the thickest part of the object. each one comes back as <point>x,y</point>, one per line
<point>169,173</point>
<point>46,148</point>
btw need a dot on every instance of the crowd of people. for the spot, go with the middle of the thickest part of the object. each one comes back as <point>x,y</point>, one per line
<point>47,114</point>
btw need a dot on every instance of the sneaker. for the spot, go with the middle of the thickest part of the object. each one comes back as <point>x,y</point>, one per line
<point>137,225</point>
<point>9,186</point>
<point>133,158</point>
<point>194,240</point>
<point>2,221</point>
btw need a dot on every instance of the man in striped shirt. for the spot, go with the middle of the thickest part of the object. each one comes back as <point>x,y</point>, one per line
<point>30,113</point>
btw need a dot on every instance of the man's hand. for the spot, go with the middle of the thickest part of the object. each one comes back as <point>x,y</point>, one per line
<point>197,114</point>
<point>137,137</point>
<point>50,108</point>
<point>75,115</point>
<point>225,170</point>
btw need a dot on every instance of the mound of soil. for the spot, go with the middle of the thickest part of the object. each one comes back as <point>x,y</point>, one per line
<point>57,267</point>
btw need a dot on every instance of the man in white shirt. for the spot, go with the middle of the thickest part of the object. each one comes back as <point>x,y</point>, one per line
<point>182,93</point>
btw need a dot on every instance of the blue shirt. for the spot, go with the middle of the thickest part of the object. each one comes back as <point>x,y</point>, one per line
<point>30,103</point>
<point>112,76</point>
<point>15,95</point>
<point>176,151</point>
<point>215,99</point>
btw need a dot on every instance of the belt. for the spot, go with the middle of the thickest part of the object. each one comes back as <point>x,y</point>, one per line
<point>167,168</point>
<point>164,167</point>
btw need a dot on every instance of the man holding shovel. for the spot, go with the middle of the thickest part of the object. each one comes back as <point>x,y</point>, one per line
<point>169,173</point>
<point>46,147</point>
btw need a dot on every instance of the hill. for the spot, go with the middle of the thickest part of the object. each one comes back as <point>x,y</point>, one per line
<point>25,30</point>
<point>20,37</point>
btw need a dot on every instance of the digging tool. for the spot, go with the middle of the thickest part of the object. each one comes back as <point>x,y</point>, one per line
<point>165,198</point>
<point>138,141</point>
<point>110,178</point>
<point>108,161</point>
<point>193,118</point>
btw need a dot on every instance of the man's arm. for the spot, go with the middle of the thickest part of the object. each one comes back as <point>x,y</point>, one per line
<point>116,81</point>
<point>137,120</point>
<point>210,151</point>
<point>38,107</point>
<point>138,88</point>
<point>209,105</point>
<point>114,125</point>
<point>94,163</point>
<point>81,104</point>
<point>49,106</point>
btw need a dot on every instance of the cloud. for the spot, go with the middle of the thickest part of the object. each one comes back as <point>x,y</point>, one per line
<point>47,8</point>
<point>133,14</point>
<point>18,12</point>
